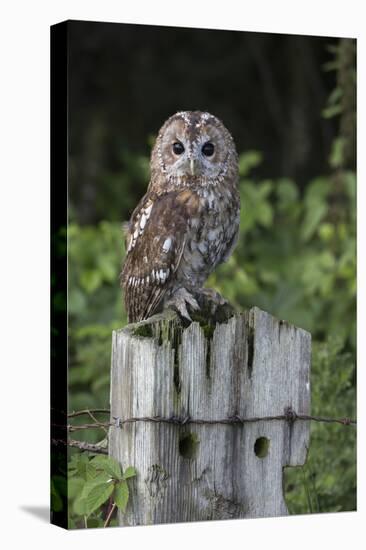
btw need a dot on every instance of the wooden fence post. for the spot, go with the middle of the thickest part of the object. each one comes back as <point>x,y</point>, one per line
<point>251,366</point>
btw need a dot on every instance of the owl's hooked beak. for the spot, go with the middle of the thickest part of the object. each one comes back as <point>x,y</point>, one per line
<point>192,167</point>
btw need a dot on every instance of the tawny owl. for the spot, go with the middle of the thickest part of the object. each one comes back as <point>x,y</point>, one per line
<point>187,222</point>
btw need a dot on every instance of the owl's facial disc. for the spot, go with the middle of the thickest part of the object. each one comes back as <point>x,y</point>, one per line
<point>191,153</point>
<point>193,147</point>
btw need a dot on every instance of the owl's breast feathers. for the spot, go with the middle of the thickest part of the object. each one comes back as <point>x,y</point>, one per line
<point>170,238</point>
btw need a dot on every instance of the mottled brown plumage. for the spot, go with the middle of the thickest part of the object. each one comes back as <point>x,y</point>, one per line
<point>187,222</point>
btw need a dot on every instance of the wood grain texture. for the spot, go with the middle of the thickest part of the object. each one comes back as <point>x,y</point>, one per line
<point>252,365</point>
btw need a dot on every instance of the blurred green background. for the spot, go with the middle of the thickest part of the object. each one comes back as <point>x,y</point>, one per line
<point>290,103</point>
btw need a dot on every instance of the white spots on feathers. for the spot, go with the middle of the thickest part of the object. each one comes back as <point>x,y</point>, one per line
<point>206,116</point>
<point>210,197</point>
<point>160,275</point>
<point>167,244</point>
<point>185,116</point>
<point>203,119</point>
<point>139,226</point>
<point>148,210</point>
<point>160,155</point>
<point>157,275</point>
<point>143,222</point>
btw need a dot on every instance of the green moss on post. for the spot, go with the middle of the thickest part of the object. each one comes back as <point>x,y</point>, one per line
<point>145,331</point>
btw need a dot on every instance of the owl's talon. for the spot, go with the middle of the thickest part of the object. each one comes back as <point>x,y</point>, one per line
<point>179,301</point>
<point>213,296</point>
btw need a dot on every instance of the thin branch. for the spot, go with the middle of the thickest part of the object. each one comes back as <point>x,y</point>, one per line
<point>82,445</point>
<point>109,517</point>
<point>95,420</point>
<point>88,411</point>
<point>91,447</point>
<point>97,425</point>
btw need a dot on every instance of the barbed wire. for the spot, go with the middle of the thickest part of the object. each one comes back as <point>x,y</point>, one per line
<point>289,415</point>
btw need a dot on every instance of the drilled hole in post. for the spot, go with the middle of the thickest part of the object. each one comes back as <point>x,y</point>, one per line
<point>188,445</point>
<point>261,447</point>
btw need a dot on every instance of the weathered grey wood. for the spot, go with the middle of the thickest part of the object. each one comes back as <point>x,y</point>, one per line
<point>253,365</point>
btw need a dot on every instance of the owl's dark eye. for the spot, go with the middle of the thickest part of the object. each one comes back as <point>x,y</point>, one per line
<point>208,149</point>
<point>178,148</point>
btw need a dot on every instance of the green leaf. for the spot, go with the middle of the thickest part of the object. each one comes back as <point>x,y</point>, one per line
<point>350,184</point>
<point>326,231</point>
<point>332,111</point>
<point>96,495</point>
<point>95,522</point>
<point>249,160</point>
<point>337,153</point>
<point>100,479</point>
<point>331,65</point>
<point>317,190</point>
<point>75,486</point>
<point>287,193</point>
<point>79,507</point>
<point>312,220</point>
<point>264,189</point>
<point>121,495</point>
<point>335,95</point>
<point>76,301</point>
<point>81,466</point>
<point>129,472</point>
<point>109,466</point>
<point>106,264</point>
<point>90,280</point>
<point>264,214</point>
<point>316,206</point>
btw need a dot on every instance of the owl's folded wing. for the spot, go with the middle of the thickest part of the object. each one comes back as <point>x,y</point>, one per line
<point>155,244</point>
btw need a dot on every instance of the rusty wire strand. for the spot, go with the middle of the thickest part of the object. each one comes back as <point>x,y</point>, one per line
<point>289,415</point>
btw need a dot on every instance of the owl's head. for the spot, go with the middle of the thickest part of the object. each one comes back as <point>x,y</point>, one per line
<point>193,146</point>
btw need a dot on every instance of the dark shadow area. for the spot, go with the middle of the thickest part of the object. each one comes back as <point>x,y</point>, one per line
<point>126,80</point>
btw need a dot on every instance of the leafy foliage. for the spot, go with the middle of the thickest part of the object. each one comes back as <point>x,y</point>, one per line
<point>295,259</point>
<point>93,482</point>
<point>95,309</point>
<point>327,482</point>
